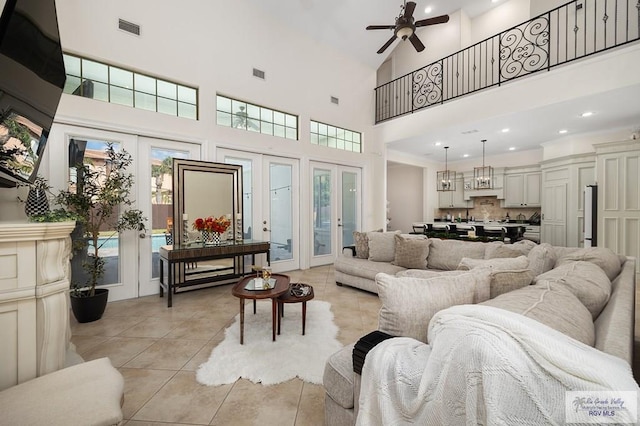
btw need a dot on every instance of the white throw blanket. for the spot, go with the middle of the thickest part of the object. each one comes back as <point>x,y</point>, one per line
<point>483,365</point>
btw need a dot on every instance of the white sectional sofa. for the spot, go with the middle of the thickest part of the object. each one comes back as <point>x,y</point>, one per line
<point>582,298</point>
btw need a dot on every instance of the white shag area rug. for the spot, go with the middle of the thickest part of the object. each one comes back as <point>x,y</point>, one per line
<point>261,360</point>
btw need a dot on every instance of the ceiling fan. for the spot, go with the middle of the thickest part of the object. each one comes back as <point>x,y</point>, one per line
<point>405,27</point>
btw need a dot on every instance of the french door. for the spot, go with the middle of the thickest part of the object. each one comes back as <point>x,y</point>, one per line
<point>335,205</point>
<point>271,204</point>
<point>87,146</point>
<point>155,199</point>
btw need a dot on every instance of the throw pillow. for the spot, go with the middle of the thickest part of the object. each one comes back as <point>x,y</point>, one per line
<point>499,263</point>
<point>411,252</point>
<point>542,258</point>
<point>409,303</point>
<point>509,280</point>
<point>500,281</point>
<point>382,246</point>
<point>603,257</point>
<point>585,280</point>
<point>554,306</point>
<point>361,242</point>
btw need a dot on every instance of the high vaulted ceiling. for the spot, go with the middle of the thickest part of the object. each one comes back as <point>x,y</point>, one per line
<point>341,25</point>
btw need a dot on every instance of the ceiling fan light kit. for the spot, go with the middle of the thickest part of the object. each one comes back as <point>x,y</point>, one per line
<point>483,176</point>
<point>405,26</point>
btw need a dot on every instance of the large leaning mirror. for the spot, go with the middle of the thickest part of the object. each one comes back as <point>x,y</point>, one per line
<point>203,189</point>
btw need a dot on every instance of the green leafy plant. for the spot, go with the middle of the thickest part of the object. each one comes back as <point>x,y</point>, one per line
<point>96,199</point>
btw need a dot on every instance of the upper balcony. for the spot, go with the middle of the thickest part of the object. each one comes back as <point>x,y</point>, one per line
<point>575,30</point>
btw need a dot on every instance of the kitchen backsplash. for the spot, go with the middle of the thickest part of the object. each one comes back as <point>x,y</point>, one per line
<point>489,207</point>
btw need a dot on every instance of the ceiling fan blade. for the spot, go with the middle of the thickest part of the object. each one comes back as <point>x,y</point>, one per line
<point>409,8</point>
<point>432,21</point>
<point>381,27</point>
<point>387,44</point>
<point>416,42</point>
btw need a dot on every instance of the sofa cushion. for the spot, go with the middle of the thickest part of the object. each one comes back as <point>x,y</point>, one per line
<point>542,258</point>
<point>382,246</point>
<point>603,257</point>
<point>447,254</point>
<point>411,252</point>
<point>552,305</point>
<point>363,267</point>
<point>498,263</point>
<point>409,303</point>
<point>585,280</point>
<point>338,377</point>
<point>499,249</point>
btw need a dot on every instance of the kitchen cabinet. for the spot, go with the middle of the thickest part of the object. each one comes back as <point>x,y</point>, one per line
<point>522,189</point>
<point>453,199</point>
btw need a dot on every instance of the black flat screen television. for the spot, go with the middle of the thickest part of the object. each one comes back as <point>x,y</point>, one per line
<point>32,79</point>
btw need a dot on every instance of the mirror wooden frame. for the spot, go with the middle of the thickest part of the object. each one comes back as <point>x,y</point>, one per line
<point>180,193</point>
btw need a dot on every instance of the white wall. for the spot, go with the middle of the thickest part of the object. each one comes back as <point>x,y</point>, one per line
<point>200,45</point>
<point>540,6</point>
<point>405,195</point>
<point>499,18</point>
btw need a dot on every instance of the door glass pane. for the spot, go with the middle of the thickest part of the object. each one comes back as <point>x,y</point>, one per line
<point>281,211</point>
<point>349,207</point>
<point>321,212</point>
<point>92,154</point>
<point>161,186</point>
<point>247,194</point>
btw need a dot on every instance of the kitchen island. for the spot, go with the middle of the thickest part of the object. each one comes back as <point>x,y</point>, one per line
<point>493,231</point>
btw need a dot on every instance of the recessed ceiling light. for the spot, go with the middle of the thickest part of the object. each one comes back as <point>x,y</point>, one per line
<point>586,114</point>
<point>505,130</point>
<point>465,155</point>
<point>438,143</point>
<point>563,131</point>
<point>427,9</point>
<point>495,1</point>
<point>513,148</point>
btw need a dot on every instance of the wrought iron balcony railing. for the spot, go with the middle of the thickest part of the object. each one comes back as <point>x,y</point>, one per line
<point>572,31</point>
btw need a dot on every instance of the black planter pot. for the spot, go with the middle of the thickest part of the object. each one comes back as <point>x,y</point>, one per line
<point>90,308</point>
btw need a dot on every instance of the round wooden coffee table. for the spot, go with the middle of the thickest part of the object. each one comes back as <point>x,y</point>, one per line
<point>289,297</point>
<point>239,290</point>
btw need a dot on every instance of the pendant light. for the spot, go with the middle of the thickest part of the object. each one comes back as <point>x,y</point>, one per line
<point>446,179</point>
<point>483,176</point>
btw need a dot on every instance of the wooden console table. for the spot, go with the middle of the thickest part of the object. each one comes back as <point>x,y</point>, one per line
<point>175,256</point>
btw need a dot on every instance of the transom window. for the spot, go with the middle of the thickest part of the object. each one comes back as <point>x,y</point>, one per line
<point>255,118</point>
<point>96,80</point>
<point>335,137</point>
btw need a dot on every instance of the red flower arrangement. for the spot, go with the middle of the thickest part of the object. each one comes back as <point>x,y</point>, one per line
<point>212,224</point>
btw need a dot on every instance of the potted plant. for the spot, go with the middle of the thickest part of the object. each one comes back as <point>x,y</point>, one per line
<point>100,198</point>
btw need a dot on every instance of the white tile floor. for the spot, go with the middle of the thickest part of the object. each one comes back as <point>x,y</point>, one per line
<point>157,350</point>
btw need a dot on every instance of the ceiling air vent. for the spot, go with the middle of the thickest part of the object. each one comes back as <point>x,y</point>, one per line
<point>335,100</point>
<point>129,27</point>
<point>258,73</point>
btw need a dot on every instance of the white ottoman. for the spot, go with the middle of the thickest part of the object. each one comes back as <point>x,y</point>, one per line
<point>85,394</point>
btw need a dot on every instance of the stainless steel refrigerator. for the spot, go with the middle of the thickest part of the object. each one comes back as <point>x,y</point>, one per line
<point>591,216</point>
